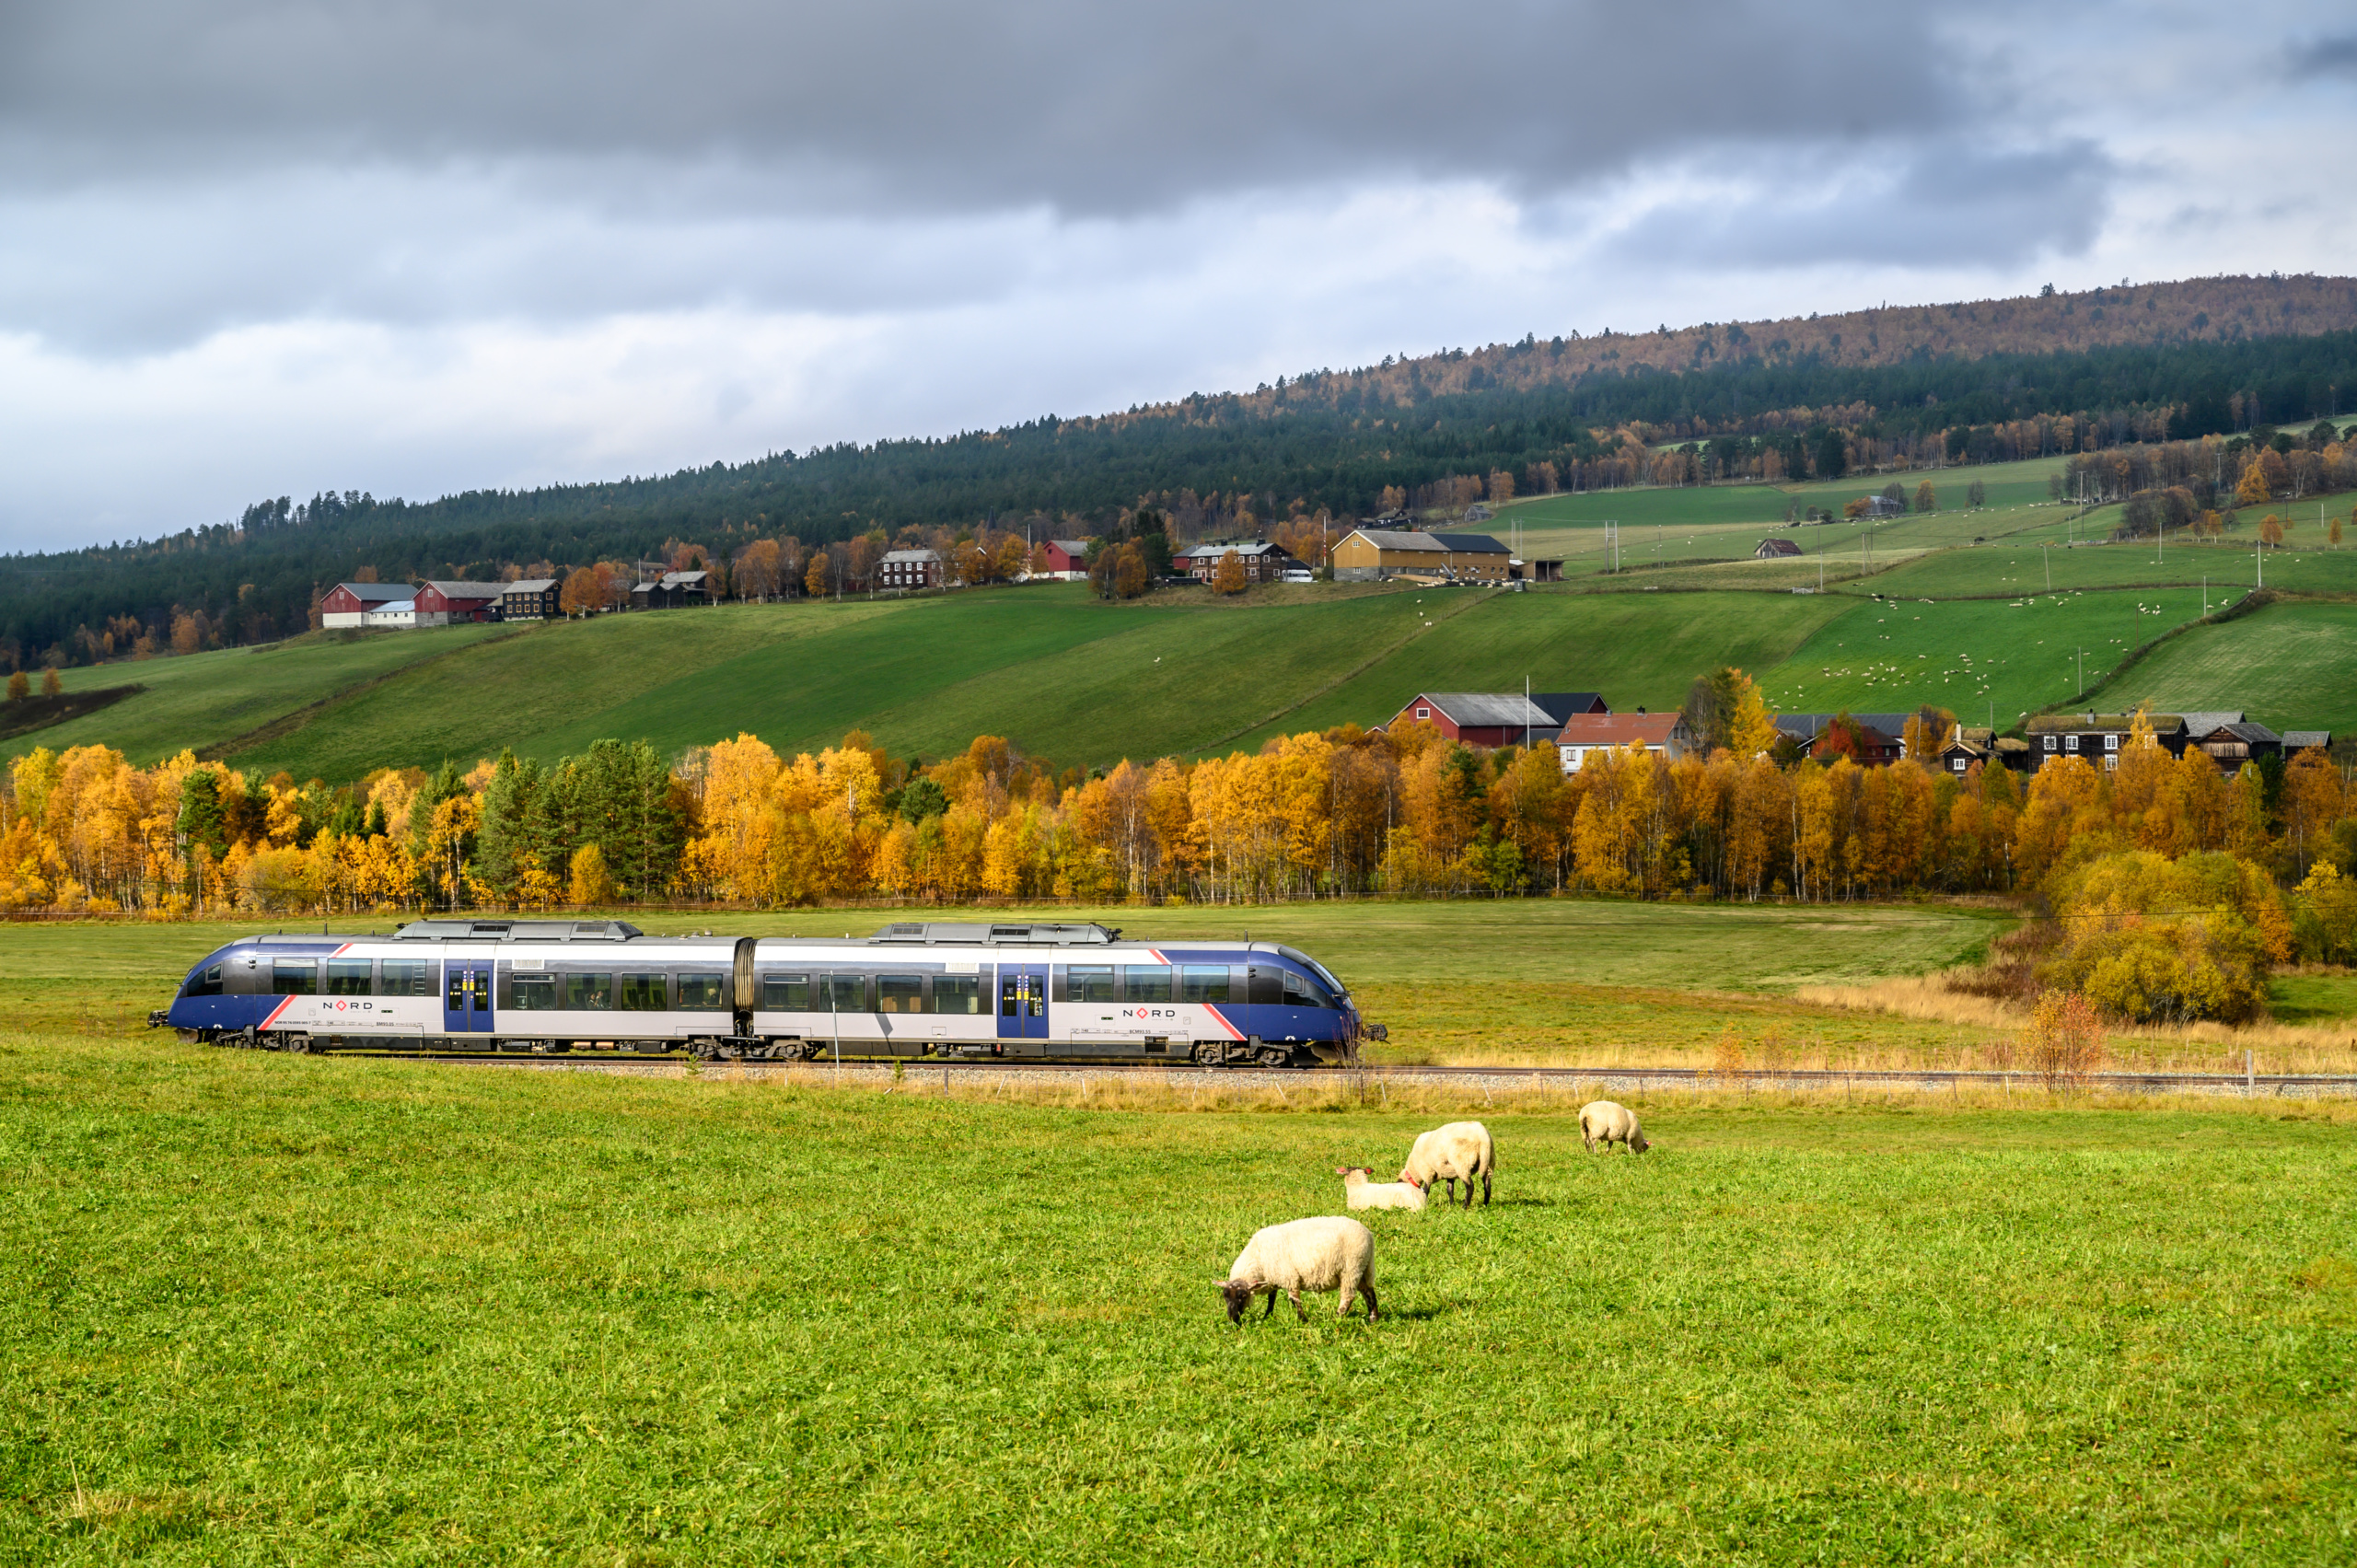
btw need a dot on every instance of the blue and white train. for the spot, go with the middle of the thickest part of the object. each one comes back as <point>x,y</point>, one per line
<point>1058,993</point>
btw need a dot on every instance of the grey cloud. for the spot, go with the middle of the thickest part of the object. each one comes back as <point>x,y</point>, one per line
<point>1944,203</point>
<point>1084,106</point>
<point>2332,56</point>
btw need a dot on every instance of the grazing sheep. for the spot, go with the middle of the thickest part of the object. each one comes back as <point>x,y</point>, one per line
<point>1462,1150</point>
<point>1328,1253</point>
<point>1602,1121</point>
<point>1360,1194</point>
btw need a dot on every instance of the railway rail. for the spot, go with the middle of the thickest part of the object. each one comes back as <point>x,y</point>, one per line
<point>1604,1080</point>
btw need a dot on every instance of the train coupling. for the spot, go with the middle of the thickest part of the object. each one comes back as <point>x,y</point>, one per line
<point>157,1017</point>
<point>1377,1032</point>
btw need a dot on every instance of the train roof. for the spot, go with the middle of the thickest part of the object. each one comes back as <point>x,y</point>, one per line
<point>974,934</point>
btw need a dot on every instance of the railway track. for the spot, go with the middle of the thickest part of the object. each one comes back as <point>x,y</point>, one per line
<point>1604,1080</point>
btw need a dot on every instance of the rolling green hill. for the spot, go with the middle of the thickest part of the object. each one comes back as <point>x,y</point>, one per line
<point>1957,609</point>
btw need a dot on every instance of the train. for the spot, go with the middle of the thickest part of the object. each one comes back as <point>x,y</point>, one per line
<point>1070,993</point>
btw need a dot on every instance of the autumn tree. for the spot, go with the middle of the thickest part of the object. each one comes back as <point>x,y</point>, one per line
<point>579,595</point>
<point>1926,499</point>
<point>1228,577</point>
<point>20,687</point>
<point>758,572</point>
<point>50,685</point>
<point>821,576</point>
<point>2271,530</point>
<point>2251,491</point>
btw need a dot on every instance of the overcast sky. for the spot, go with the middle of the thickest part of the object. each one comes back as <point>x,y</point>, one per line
<point>251,247</point>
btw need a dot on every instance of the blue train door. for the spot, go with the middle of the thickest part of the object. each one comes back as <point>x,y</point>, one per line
<point>466,996</point>
<point>1022,1001</point>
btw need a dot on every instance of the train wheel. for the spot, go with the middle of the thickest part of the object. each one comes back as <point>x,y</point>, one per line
<point>1274,1056</point>
<point>1210,1053</point>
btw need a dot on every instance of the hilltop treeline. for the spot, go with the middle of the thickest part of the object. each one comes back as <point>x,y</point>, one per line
<point>1569,414</point>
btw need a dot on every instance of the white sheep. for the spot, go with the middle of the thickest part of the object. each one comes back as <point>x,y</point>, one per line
<point>1328,1253</point>
<point>1460,1150</point>
<point>1360,1194</point>
<point>1602,1121</point>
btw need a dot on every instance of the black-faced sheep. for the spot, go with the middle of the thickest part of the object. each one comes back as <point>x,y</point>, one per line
<point>1462,1150</point>
<point>1603,1121</point>
<point>1328,1253</point>
<point>1360,1194</point>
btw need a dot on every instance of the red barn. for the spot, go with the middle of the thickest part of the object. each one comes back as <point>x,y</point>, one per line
<point>446,603</point>
<point>348,604</point>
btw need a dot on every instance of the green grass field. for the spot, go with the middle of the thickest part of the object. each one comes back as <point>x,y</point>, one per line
<point>2284,659</point>
<point>261,1309</point>
<point>1081,682</point>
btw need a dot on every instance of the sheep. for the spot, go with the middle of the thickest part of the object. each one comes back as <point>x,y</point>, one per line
<point>1360,1194</point>
<point>1328,1253</point>
<point>1460,1150</point>
<point>1602,1121</point>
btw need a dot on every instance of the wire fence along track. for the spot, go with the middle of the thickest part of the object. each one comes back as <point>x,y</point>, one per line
<point>1591,1081</point>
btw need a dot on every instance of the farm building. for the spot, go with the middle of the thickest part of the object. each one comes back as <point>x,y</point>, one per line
<point>1067,559</point>
<point>1497,718</point>
<point>1772,549</point>
<point>1368,555</point>
<point>903,569</point>
<point>671,590</point>
<point>1263,562</point>
<point>1881,734</point>
<point>1978,743</point>
<point>348,604</point>
<point>529,599</point>
<point>441,603</point>
<point>1665,734</point>
<point>2098,737</point>
<point>393,614</point>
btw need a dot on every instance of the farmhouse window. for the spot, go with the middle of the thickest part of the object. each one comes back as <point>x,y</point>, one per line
<point>2050,743</point>
<point>2111,743</point>
<point>1424,713</point>
<point>2070,743</point>
<point>1956,763</point>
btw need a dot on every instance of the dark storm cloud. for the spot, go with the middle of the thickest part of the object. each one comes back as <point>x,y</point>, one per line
<point>2333,56</point>
<point>1086,108</point>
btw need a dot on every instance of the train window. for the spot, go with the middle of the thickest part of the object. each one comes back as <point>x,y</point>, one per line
<point>532,992</point>
<point>642,992</point>
<point>205,984</point>
<point>785,994</point>
<point>1149,982</point>
<point>348,977</point>
<point>850,993</point>
<point>587,993</point>
<point>701,993</point>
<point>1088,982</point>
<point>959,993</point>
<point>1202,982</point>
<point>405,977</point>
<point>293,977</point>
<point>900,994</point>
<point>1262,986</point>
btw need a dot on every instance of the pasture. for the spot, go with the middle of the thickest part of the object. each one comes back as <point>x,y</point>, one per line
<point>263,1309</point>
<point>2297,659</point>
<point>1085,683</point>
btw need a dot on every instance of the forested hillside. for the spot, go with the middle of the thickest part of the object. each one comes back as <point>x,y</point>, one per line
<point>1920,386</point>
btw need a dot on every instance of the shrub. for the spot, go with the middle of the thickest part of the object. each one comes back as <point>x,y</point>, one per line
<point>2064,1042</point>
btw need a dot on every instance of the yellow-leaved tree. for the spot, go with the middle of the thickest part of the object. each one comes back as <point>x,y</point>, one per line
<point>1227,577</point>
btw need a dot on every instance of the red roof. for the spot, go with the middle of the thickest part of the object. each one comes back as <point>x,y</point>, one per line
<point>1618,729</point>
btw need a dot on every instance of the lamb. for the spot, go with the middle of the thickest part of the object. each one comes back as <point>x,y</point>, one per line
<point>1602,1121</point>
<point>1460,1150</point>
<point>1327,1253</point>
<point>1360,1194</point>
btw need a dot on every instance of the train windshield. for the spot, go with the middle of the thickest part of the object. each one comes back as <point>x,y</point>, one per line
<point>1334,988</point>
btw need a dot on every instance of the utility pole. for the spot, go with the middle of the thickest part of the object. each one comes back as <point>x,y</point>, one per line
<point>2082,673</point>
<point>2045,553</point>
<point>2258,552</point>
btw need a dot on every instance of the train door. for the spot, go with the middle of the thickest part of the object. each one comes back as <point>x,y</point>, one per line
<point>466,994</point>
<point>1022,1001</point>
